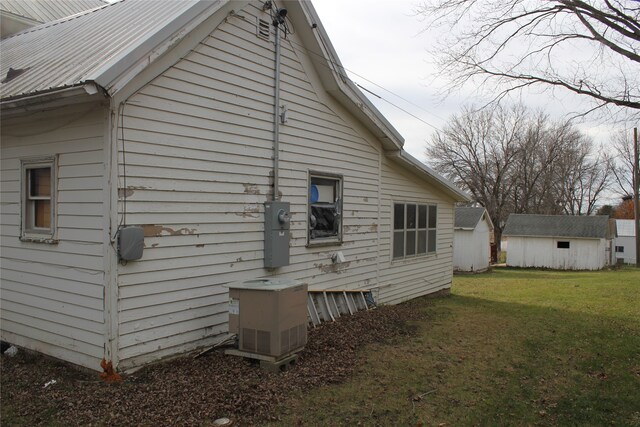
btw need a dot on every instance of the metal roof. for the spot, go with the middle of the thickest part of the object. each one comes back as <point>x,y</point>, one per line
<point>625,228</point>
<point>47,10</point>
<point>468,217</point>
<point>77,49</point>
<point>595,227</point>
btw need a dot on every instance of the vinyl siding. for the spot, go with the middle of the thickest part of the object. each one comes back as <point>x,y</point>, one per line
<point>404,279</point>
<point>199,148</point>
<point>52,294</point>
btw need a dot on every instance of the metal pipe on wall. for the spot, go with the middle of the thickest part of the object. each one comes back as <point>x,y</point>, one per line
<point>276,118</point>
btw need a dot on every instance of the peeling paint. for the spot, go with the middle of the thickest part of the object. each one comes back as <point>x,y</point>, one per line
<point>365,199</point>
<point>155,245</point>
<point>251,189</point>
<point>373,228</point>
<point>129,191</point>
<point>239,259</point>
<point>201,245</point>
<point>249,211</point>
<point>333,268</point>
<point>152,230</point>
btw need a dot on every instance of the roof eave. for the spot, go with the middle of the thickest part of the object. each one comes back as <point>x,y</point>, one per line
<point>53,97</point>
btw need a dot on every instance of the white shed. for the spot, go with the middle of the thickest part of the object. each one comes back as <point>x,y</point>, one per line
<point>560,242</point>
<point>187,120</point>
<point>625,241</point>
<point>472,239</point>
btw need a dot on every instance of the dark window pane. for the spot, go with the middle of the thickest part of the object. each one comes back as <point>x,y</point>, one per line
<point>398,244</point>
<point>422,241</point>
<point>563,245</point>
<point>422,216</point>
<point>411,217</point>
<point>398,216</point>
<point>324,221</point>
<point>40,182</point>
<point>431,244</point>
<point>433,216</point>
<point>411,243</point>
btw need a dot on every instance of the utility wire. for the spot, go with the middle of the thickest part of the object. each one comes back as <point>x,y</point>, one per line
<point>304,49</point>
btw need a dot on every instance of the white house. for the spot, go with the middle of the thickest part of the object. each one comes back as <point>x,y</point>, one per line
<point>625,241</point>
<point>472,239</point>
<point>179,125</point>
<point>18,15</point>
<point>560,242</point>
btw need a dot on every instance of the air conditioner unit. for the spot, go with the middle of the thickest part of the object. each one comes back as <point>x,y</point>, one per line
<point>269,316</point>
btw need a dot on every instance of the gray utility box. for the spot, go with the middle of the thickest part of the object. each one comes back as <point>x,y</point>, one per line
<point>276,234</point>
<point>269,316</point>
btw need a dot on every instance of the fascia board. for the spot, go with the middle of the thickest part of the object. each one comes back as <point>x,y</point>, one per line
<point>115,73</point>
<point>334,78</point>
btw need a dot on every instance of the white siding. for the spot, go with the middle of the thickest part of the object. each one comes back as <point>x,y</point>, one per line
<point>198,142</point>
<point>409,278</point>
<point>582,254</point>
<point>472,248</point>
<point>52,294</point>
<point>629,249</point>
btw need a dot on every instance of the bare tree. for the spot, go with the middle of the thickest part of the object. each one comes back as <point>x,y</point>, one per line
<point>588,47</point>
<point>513,160</point>
<point>622,164</point>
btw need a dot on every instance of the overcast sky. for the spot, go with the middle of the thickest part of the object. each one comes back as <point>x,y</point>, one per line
<point>384,41</point>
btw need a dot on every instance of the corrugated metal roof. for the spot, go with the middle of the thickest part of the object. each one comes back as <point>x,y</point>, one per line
<point>557,226</point>
<point>70,51</point>
<point>47,10</point>
<point>468,217</point>
<point>625,228</point>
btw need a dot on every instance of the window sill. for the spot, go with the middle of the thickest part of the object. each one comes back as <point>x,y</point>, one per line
<point>33,238</point>
<point>409,259</point>
<point>323,242</point>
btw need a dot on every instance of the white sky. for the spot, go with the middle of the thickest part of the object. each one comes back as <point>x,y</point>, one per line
<point>383,41</point>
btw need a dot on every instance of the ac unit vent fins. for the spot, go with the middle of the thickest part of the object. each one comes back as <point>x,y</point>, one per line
<point>264,342</point>
<point>248,339</point>
<point>264,29</point>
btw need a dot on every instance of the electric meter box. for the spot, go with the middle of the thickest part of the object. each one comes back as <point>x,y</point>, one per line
<point>276,234</point>
<point>269,316</point>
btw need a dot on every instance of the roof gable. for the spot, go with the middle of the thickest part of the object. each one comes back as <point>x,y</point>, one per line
<point>468,217</point>
<point>595,227</point>
<point>625,228</point>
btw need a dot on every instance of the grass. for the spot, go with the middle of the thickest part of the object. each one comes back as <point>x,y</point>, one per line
<point>512,347</point>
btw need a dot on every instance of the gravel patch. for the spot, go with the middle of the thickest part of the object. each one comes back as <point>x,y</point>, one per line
<point>188,391</point>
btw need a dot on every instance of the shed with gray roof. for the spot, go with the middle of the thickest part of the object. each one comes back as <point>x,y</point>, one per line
<point>473,232</point>
<point>562,242</point>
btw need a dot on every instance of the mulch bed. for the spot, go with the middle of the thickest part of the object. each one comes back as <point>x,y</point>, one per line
<point>188,391</point>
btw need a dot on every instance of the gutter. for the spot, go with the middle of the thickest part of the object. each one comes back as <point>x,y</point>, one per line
<point>57,95</point>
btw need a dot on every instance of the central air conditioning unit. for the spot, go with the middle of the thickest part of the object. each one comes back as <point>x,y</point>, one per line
<point>269,316</point>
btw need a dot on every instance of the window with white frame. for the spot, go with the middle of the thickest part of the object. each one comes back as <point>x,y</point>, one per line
<point>620,249</point>
<point>325,208</point>
<point>414,229</point>
<point>38,197</point>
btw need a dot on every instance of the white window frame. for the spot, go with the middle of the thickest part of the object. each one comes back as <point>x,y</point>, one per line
<point>339,206</point>
<point>28,231</point>
<point>429,228</point>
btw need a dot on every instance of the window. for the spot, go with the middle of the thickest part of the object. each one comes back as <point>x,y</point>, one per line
<point>414,229</point>
<point>325,208</point>
<point>563,245</point>
<point>38,201</point>
<point>620,249</point>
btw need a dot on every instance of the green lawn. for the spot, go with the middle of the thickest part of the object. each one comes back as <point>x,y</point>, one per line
<point>512,347</point>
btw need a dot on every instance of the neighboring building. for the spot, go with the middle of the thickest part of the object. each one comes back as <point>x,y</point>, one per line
<point>561,242</point>
<point>19,15</point>
<point>472,234</point>
<point>169,125</point>
<point>625,241</point>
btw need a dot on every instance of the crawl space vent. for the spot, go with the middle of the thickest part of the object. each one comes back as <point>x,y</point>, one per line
<point>264,29</point>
